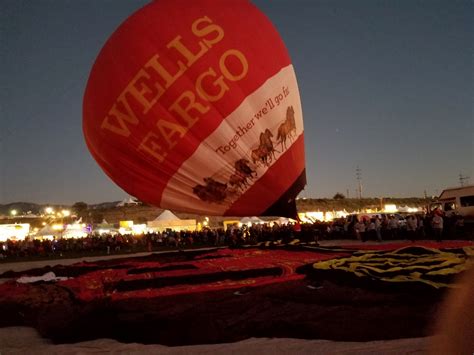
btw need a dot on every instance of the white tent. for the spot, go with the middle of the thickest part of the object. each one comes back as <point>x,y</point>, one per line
<point>105,227</point>
<point>75,230</point>
<point>167,220</point>
<point>253,220</point>
<point>47,231</point>
<point>283,220</point>
<point>127,201</point>
<point>167,215</point>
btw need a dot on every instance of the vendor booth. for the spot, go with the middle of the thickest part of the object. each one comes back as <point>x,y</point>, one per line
<point>17,231</point>
<point>167,220</point>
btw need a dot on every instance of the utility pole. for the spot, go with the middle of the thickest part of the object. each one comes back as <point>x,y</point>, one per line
<point>359,178</point>
<point>347,193</point>
<point>462,179</point>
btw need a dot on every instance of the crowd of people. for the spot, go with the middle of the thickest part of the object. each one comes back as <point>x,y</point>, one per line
<point>361,227</point>
<point>391,227</point>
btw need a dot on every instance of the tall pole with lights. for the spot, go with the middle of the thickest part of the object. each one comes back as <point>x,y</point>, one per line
<point>359,181</point>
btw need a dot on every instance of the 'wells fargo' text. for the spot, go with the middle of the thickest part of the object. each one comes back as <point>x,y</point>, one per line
<point>157,76</point>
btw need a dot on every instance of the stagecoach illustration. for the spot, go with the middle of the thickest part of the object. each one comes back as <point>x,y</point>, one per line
<point>214,190</point>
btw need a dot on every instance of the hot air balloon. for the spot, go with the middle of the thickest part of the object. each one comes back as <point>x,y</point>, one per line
<point>193,106</point>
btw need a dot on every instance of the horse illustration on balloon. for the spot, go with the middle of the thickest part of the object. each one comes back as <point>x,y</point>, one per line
<point>243,173</point>
<point>287,129</point>
<point>265,152</point>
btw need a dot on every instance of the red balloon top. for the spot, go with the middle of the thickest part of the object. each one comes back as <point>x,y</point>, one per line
<point>169,104</point>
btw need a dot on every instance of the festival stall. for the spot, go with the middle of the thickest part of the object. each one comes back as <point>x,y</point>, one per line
<point>17,231</point>
<point>229,223</point>
<point>284,221</point>
<point>47,232</point>
<point>129,227</point>
<point>327,216</point>
<point>105,227</point>
<point>76,230</point>
<point>167,220</point>
<point>249,221</point>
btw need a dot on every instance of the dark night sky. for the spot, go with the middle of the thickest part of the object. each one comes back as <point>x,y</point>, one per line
<point>385,85</point>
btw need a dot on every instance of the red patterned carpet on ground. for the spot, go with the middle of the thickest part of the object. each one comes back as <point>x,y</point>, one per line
<point>219,296</point>
<point>222,269</point>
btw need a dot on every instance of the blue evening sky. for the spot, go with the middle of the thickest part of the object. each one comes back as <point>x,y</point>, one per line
<point>385,85</point>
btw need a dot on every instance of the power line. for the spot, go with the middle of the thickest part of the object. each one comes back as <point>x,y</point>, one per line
<point>463,178</point>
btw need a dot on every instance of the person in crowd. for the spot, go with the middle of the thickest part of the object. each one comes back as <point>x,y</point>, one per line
<point>371,234</point>
<point>172,242</point>
<point>459,226</point>
<point>437,225</point>
<point>412,226</point>
<point>421,226</point>
<point>392,227</point>
<point>385,232</point>
<point>359,229</point>
<point>378,228</point>
<point>449,228</point>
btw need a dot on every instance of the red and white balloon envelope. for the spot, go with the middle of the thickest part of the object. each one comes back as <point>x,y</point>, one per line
<point>194,106</point>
